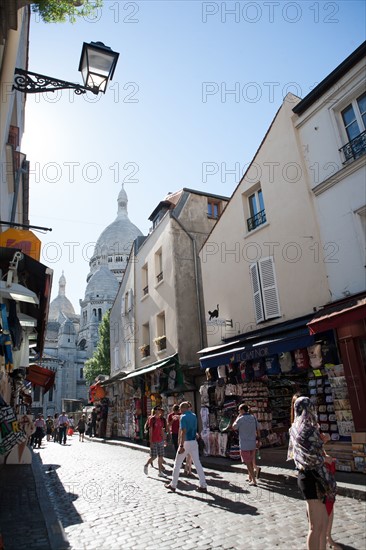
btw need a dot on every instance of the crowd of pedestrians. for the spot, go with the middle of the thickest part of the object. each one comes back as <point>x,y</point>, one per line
<point>61,426</point>
<point>315,467</point>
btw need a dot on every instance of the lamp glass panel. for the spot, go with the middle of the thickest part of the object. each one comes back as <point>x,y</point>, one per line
<point>100,62</point>
<point>97,81</point>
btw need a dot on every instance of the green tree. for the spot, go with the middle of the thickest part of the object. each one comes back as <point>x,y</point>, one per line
<point>59,11</point>
<point>100,362</point>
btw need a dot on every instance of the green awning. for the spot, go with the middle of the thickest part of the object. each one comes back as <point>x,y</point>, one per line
<point>150,368</point>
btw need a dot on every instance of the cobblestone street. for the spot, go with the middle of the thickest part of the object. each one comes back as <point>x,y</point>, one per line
<point>104,501</point>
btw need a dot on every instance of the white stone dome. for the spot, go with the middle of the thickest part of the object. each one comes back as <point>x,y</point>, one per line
<point>103,284</point>
<point>61,304</point>
<point>114,244</point>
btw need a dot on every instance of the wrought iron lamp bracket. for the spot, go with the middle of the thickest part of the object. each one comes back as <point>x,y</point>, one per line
<point>32,83</point>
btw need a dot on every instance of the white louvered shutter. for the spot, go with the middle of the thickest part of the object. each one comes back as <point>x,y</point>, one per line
<point>257,296</point>
<point>123,306</point>
<point>129,300</point>
<point>268,283</point>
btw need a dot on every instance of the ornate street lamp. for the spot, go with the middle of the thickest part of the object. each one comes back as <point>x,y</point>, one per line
<point>97,66</point>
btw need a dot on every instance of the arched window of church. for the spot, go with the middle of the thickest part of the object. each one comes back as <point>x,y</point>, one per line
<point>99,314</point>
<point>94,312</point>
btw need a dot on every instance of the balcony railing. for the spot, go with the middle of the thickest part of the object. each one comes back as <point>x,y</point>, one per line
<point>355,148</point>
<point>257,220</point>
<point>159,277</point>
<point>145,290</point>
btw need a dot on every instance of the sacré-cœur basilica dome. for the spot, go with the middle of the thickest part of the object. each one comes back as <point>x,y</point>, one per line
<point>114,244</point>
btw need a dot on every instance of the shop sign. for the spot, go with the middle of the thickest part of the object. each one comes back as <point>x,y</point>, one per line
<point>24,240</point>
<point>248,355</point>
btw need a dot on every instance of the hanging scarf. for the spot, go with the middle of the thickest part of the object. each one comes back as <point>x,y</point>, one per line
<point>306,446</point>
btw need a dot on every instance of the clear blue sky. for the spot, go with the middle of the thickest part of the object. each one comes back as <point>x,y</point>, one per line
<point>167,119</point>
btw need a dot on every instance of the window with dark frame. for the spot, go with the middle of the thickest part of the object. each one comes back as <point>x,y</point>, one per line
<point>213,208</point>
<point>354,121</point>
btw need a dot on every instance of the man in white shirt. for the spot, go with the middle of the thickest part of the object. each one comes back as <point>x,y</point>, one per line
<point>40,430</point>
<point>63,423</point>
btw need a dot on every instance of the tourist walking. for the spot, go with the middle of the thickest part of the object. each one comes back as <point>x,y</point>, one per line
<point>173,425</point>
<point>71,428</point>
<point>157,440</point>
<point>40,425</point>
<point>187,445</point>
<point>49,427</point>
<point>55,427</point>
<point>248,428</point>
<point>81,425</point>
<point>62,423</point>
<point>306,448</point>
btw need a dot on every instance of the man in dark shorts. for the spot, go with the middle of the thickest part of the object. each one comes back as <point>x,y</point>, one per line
<point>157,440</point>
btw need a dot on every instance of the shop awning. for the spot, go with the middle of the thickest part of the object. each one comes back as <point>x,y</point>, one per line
<point>337,315</point>
<point>264,348</point>
<point>219,348</point>
<point>116,378</point>
<point>150,368</point>
<point>39,376</point>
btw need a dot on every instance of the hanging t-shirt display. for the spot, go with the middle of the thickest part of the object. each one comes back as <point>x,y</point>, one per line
<point>259,369</point>
<point>221,371</point>
<point>315,356</point>
<point>285,361</point>
<point>301,359</point>
<point>272,365</point>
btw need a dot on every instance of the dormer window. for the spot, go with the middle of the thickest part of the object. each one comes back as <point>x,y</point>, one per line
<point>213,208</point>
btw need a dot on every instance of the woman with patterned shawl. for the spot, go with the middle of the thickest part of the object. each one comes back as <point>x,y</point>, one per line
<point>314,481</point>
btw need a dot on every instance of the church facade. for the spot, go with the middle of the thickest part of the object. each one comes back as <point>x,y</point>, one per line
<point>71,338</point>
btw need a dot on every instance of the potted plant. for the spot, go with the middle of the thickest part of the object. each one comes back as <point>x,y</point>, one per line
<point>160,342</point>
<point>145,350</point>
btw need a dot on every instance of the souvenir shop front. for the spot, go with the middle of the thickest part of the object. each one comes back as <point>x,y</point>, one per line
<point>132,396</point>
<point>347,319</point>
<point>24,300</point>
<point>265,374</point>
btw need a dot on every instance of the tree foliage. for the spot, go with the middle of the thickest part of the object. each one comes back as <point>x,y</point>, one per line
<point>60,11</point>
<point>100,362</point>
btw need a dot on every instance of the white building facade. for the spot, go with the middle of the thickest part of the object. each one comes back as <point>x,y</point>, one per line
<point>331,124</point>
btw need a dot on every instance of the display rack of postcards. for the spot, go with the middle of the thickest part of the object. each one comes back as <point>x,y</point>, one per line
<point>281,391</point>
<point>280,395</point>
<point>321,396</point>
<point>342,407</point>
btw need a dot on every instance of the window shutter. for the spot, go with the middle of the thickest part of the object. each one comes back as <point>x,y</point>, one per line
<point>269,288</point>
<point>129,300</point>
<point>257,297</point>
<point>123,306</point>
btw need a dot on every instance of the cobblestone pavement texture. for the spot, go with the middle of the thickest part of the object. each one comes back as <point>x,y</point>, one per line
<point>104,501</point>
<point>18,492</point>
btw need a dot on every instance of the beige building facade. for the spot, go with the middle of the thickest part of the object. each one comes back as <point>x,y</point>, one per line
<point>260,263</point>
<point>157,320</point>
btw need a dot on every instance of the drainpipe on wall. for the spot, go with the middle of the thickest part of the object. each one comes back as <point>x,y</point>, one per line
<point>195,275</point>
